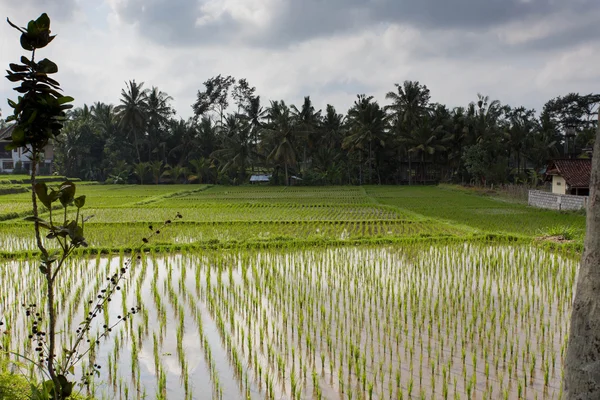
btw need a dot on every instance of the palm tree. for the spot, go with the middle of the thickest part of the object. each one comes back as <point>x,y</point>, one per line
<point>367,128</point>
<point>236,148</point>
<point>331,130</point>
<point>199,166</point>
<point>522,125</point>
<point>306,121</point>
<point>253,114</point>
<point>133,112</point>
<point>409,105</point>
<point>486,118</point>
<point>280,136</point>
<point>140,170</point>
<point>183,140</point>
<point>426,139</point>
<point>156,168</point>
<point>158,113</point>
<point>175,172</point>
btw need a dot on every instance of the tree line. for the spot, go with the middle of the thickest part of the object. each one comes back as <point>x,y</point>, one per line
<point>234,134</point>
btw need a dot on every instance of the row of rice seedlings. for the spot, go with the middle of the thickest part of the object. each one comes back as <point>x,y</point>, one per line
<point>451,322</point>
<point>239,212</point>
<point>20,237</point>
<point>440,321</point>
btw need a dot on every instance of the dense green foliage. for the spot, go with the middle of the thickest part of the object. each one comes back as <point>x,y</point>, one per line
<point>235,133</point>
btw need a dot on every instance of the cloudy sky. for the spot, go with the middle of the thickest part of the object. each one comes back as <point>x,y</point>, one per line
<point>522,52</point>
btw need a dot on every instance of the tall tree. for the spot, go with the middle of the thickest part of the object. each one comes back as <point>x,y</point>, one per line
<point>306,121</point>
<point>235,153</point>
<point>573,115</point>
<point>366,130</point>
<point>133,112</point>
<point>409,105</point>
<point>522,125</point>
<point>215,97</point>
<point>280,137</point>
<point>158,114</point>
<point>242,94</point>
<point>253,113</point>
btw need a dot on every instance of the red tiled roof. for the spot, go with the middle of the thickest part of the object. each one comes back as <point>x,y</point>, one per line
<point>576,172</point>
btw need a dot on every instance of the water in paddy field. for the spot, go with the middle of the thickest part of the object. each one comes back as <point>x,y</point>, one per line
<point>444,321</point>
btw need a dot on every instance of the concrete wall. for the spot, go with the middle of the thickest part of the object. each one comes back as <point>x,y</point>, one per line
<point>559,185</point>
<point>553,201</point>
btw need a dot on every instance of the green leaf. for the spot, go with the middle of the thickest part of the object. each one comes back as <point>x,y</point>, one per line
<point>49,259</point>
<point>54,195</point>
<point>41,190</point>
<point>43,269</point>
<point>66,387</point>
<point>67,193</point>
<point>79,201</point>
<point>26,61</point>
<point>26,43</point>
<point>43,22</point>
<point>40,221</point>
<point>18,67</point>
<point>15,77</point>
<point>48,67</point>
<point>65,99</point>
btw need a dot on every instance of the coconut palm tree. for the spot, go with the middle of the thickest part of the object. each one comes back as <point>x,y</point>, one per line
<point>236,147</point>
<point>132,112</point>
<point>198,167</point>
<point>367,124</point>
<point>140,170</point>
<point>332,128</point>
<point>158,114</point>
<point>426,140</point>
<point>409,104</point>
<point>306,121</point>
<point>156,168</point>
<point>280,137</point>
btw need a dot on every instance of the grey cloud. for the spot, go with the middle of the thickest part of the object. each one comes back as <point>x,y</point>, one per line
<point>174,22</point>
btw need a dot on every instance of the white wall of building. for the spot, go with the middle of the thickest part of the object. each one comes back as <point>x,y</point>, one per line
<point>559,185</point>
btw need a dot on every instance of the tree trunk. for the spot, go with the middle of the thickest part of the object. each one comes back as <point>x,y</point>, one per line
<point>370,164</point>
<point>287,180</point>
<point>137,148</point>
<point>409,170</point>
<point>582,364</point>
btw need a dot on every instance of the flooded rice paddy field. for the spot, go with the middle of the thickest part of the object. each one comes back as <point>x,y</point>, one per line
<point>377,322</point>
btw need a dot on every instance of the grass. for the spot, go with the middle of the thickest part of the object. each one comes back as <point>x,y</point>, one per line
<point>14,387</point>
<point>220,215</point>
<point>470,209</point>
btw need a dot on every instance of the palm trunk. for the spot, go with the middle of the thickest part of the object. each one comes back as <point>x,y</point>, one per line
<point>287,180</point>
<point>370,163</point>
<point>582,363</point>
<point>409,170</point>
<point>137,148</point>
